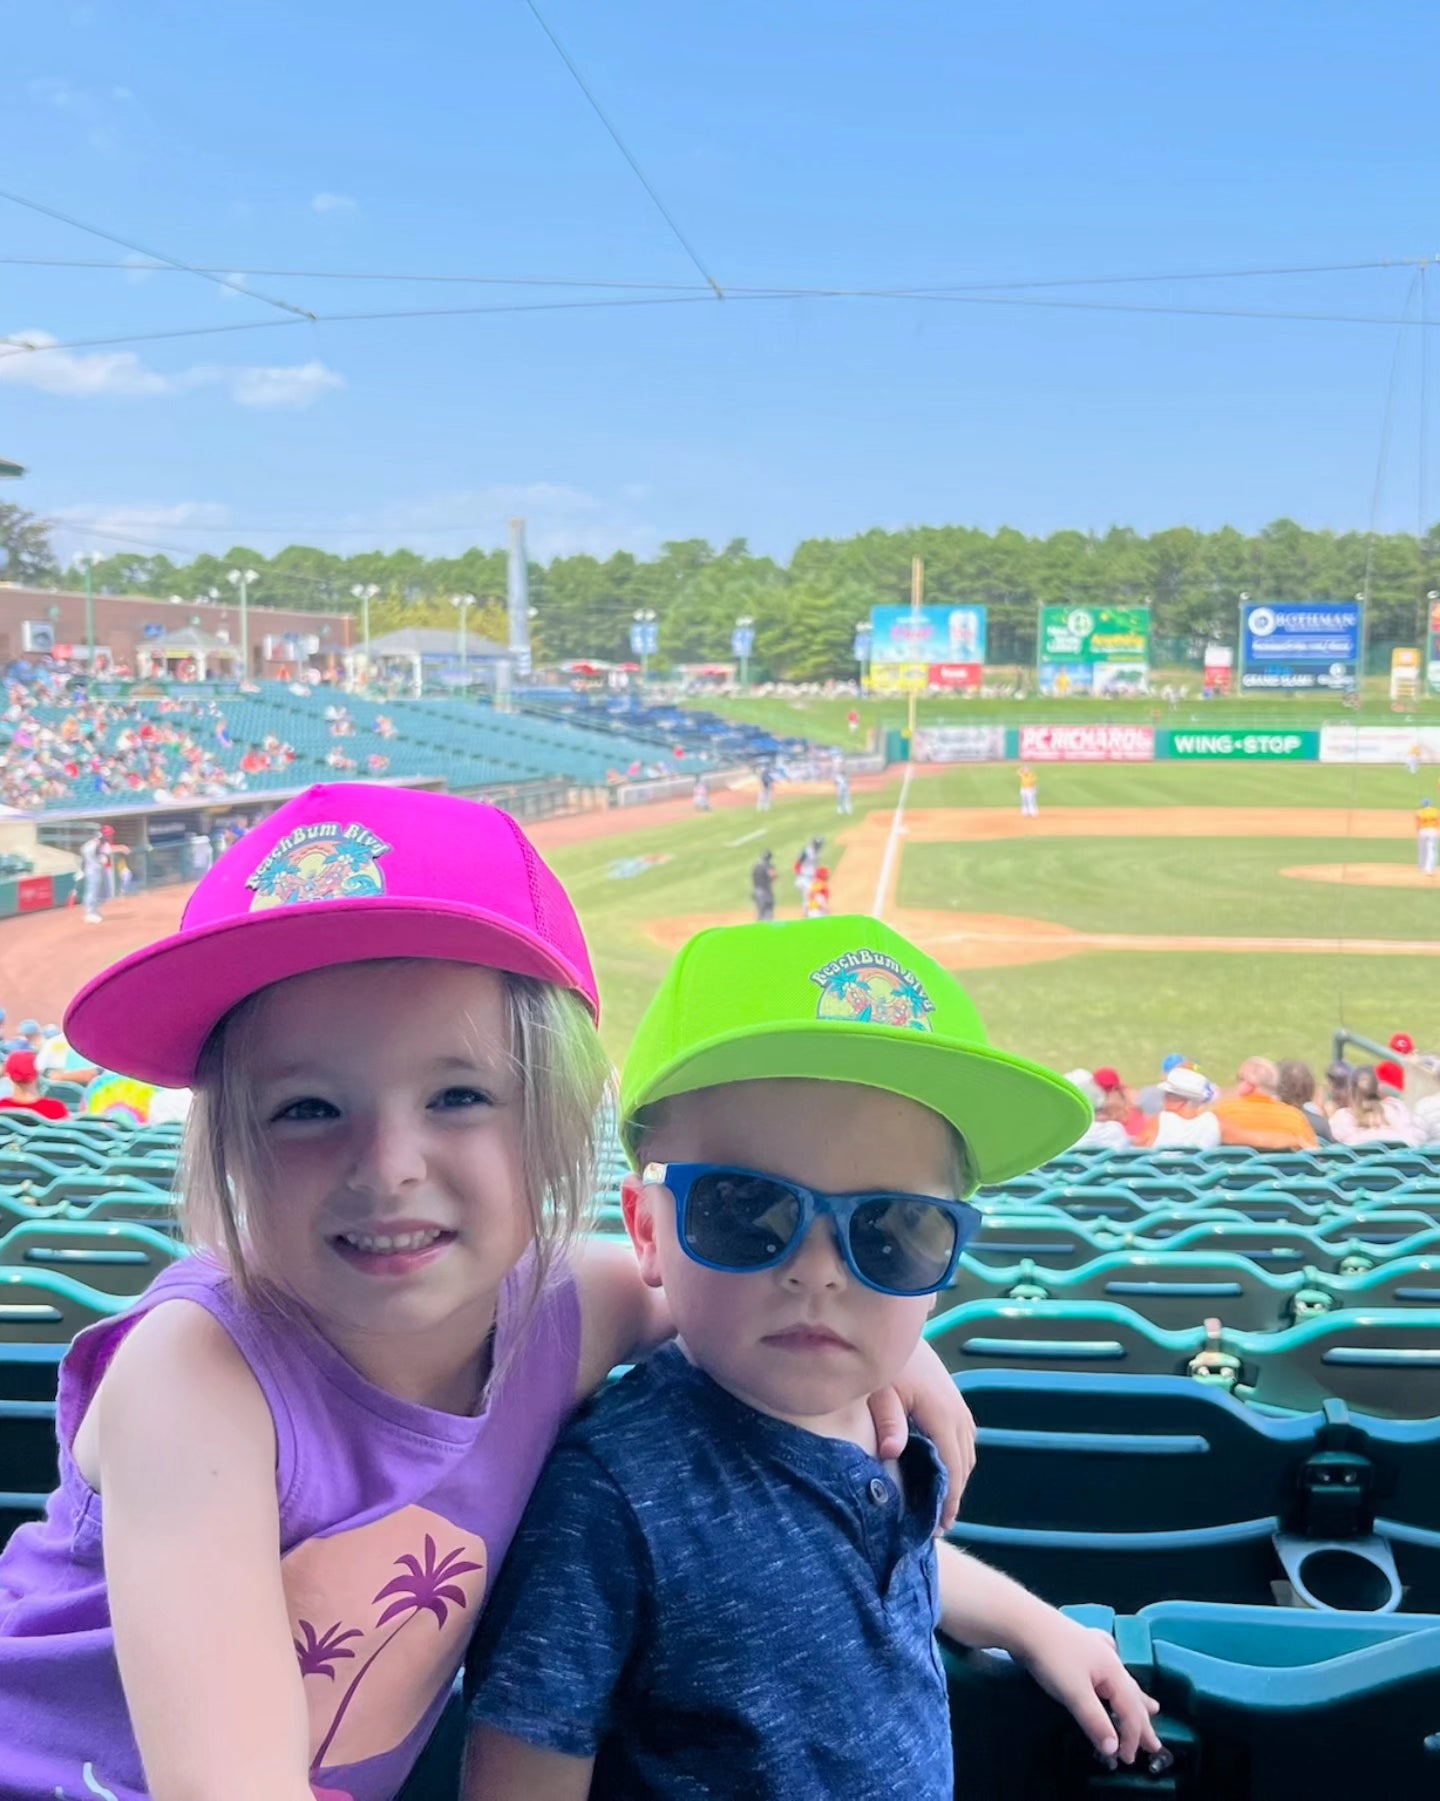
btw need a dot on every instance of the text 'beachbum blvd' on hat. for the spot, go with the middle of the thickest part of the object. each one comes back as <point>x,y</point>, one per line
<point>845,999</point>
<point>344,873</point>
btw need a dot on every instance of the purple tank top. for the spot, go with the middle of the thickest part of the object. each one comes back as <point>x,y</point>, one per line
<point>394,1520</point>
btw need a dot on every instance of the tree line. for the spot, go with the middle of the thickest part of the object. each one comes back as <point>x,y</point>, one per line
<point>805,612</point>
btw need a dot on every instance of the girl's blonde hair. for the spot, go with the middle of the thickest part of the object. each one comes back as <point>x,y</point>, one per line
<point>564,1076</point>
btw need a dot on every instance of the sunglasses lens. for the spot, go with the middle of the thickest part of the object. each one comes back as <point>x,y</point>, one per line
<point>903,1245</point>
<point>740,1222</point>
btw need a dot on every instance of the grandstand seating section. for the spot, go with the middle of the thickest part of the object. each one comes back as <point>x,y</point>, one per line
<point>470,744</point>
<point>1208,1396</point>
<point>730,740</point>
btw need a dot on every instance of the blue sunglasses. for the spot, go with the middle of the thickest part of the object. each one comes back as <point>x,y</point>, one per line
<point>742,1220</point>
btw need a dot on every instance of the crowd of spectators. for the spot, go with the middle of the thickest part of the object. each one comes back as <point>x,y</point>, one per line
<point>1270,1106</point>
<point>62,745</point>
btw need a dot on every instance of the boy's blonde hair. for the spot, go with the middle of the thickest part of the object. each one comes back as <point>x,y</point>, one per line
<point>564,1075</point>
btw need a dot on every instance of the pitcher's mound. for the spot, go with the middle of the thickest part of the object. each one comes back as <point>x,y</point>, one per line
<point>1365,875</point>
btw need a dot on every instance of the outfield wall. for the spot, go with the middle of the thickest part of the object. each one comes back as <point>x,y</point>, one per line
<point>1099,743</point>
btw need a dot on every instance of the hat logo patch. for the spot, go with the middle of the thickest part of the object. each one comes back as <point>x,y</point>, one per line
<point>320,863</point>
<point>869,988</point>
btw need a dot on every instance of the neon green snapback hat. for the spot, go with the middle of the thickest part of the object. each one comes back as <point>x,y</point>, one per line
<point>845,999</point>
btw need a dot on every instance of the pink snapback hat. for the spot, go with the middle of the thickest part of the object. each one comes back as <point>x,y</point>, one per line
<point>344,873</point>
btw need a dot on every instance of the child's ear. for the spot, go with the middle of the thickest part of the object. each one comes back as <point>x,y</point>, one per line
<point>640,1224</point>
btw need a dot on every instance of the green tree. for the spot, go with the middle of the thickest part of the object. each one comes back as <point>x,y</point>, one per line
<point>27,538</point>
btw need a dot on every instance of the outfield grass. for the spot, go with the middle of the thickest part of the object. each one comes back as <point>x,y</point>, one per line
<point>1178,785</point>
<point>1099,1006</point>
<point>707,872</point>
<point>1130,1011</point>
<point>1177,887</point>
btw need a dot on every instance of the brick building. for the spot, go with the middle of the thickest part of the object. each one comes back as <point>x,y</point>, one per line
<point>36,620</point>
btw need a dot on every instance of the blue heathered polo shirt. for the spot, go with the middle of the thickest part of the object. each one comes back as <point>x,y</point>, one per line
<point>713,1603</point>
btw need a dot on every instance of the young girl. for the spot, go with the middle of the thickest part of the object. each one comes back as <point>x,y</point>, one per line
<point>289,1474</point>
<point>1373,1118</point>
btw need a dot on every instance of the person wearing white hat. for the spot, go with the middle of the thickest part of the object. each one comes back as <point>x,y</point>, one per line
<point>1183,1122</point>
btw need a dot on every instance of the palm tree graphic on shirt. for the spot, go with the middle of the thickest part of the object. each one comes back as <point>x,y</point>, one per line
<point>426,1585</point>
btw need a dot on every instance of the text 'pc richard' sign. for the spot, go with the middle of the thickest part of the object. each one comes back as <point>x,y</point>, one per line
<point>1299,645</point>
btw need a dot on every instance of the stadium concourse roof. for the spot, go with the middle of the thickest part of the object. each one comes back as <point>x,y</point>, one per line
<point>432,641</point>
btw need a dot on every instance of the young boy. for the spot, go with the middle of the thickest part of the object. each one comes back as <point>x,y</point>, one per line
<point>718,1590</point>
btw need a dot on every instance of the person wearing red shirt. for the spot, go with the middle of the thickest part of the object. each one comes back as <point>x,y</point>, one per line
<point>1109,1083</point>
<point>25,1092</point>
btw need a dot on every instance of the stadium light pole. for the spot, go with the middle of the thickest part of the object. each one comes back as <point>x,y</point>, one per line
<point>464,602</point>
<point>745,629</point>
<point>241,579</point>
<point>365,592</point>
<point>88,559</point>
<point>648,635</point>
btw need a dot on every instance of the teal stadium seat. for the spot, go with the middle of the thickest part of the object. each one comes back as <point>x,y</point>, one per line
<point>1130,1489</point>
<point>1385,1362</point>
<point>116,1259</point>
<point>40,1307</point>
<point>1256,1705</point>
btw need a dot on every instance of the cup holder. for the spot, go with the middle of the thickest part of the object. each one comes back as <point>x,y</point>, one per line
<point>1345,1575</point>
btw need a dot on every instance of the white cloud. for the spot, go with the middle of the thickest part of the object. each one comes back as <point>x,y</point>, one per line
<point>138,269</point>
<point>120,374</point>
<point>296,385</point>
<point>116,372</point>
<point>334,203</point>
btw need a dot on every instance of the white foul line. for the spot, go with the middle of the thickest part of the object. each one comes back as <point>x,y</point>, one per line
<point>892,844</point>
<point>749,838</point>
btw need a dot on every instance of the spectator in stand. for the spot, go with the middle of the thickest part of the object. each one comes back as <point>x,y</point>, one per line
<point>1373,1118</point>
<point>1106,1131</point>
<point>1129,1113</point>
<point>1255,1114</point>
<point>1338,1079</point>
<point>1297,1089</point>
<point>1391,1073</point>
<point>1426,1109</point>
<point>25,1095</point>
<point>1181,1123</point>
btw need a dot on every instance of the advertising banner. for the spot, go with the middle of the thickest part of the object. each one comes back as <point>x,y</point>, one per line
<point>927,635</point>
<point>1237,747</point>
<point>1288,644</point>
<point>1404,675</point>
<point>960,744</point>
<point>1087,743</point>
<point>1412,745</point>
<point>1094,650</point>
<point>1432,649</point>
<point>955,675</point>
<point>1219,668</point>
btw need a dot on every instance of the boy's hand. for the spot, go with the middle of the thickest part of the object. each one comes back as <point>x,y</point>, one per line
<point>1080,1667</point>
<point>926,1391</point>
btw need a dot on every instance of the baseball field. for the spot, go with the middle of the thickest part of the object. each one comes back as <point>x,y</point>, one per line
<point>1222,910</point>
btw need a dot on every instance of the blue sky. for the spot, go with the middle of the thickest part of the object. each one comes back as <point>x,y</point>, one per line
<point>853,143</point>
